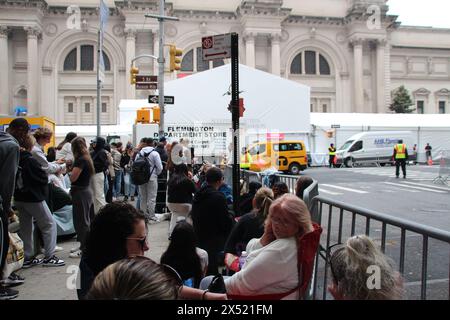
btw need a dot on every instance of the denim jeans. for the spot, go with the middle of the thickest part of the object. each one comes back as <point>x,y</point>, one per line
<point>129,187</point>
<point>117,183</point>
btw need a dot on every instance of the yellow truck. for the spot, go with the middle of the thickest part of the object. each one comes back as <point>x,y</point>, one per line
<point>35,122</point>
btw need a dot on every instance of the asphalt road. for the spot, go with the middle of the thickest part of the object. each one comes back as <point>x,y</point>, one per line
<point>415,198</point>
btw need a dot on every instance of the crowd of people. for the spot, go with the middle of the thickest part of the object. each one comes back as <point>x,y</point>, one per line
<point>273,232</point>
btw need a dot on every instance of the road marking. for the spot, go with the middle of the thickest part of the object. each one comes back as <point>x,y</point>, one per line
<point>330,192</point>
<point>418,188</point>
<point>426,185</point>
<point>344,188</point>
<point>404,189</point>
<point>418,283</point>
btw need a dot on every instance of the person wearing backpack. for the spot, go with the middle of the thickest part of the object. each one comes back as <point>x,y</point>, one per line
<point>144,173</point>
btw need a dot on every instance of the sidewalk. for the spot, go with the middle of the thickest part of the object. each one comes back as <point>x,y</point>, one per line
<point>52,283</point>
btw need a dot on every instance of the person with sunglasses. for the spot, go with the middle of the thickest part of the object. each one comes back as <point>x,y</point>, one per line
<point>117,232</point>
<point>351,264</point>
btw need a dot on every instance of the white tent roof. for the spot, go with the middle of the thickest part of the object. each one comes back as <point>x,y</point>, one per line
<point>380,120</point>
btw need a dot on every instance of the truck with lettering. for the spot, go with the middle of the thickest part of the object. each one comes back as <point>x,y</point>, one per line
<point>373,147</point>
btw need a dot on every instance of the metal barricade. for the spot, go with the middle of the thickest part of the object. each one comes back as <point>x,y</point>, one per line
<point>444,168</point>
<point>337,218</point>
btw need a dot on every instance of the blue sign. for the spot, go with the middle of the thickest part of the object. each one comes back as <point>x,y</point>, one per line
<point>385,142</point>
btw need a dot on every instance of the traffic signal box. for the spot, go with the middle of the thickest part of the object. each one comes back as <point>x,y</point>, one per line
<point>133,72</point>
<point>148,115</point>
<point>175,60</point>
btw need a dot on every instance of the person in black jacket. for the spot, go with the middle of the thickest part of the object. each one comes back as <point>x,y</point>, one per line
<point>29,198</point>
<point>211,219</point>
<point>100,160</point>
<point>246,200</point>
<point>162,177</point>
<point>181,189</point>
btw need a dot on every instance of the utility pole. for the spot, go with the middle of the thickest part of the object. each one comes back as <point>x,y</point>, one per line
<point>161,18</point>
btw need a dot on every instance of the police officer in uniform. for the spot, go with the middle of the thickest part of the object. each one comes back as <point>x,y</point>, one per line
<point>400,157</point>
<point>332,154</point>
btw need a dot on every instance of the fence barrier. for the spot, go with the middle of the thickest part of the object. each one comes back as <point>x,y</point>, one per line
<point>444,167</point>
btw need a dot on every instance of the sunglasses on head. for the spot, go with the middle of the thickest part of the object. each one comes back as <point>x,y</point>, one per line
<point>326,254</point>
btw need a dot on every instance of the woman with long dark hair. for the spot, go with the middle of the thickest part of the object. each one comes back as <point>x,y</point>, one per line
<point>64,149</point>
<point>183,254</point>
<point>180,189</point>
<point>82,198</point>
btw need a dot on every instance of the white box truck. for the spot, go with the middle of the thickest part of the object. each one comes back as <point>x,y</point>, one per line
<point>373,147</point>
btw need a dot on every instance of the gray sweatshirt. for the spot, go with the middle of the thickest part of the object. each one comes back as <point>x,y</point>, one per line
<point>9,161</point>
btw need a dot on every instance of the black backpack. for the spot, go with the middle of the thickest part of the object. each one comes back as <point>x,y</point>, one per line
<point>141,170</point>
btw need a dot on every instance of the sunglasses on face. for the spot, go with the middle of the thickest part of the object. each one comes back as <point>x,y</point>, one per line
<point>141,241</point>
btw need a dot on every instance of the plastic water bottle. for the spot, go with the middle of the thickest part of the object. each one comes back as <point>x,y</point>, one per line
<point>242,259</point>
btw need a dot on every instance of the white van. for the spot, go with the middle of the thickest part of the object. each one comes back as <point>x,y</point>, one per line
<point>373,147</point>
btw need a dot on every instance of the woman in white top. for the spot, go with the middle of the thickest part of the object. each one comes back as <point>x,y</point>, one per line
<point>64,149</point>
<point>271,264</point>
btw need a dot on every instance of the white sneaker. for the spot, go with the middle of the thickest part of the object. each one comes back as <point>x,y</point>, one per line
<point>75,249</point>
<point>161,216</point>
<point>58,249</point>
<point>76,254</point>
<point>153,220</point>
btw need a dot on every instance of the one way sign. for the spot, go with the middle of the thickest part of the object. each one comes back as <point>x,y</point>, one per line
<point>155,99</point>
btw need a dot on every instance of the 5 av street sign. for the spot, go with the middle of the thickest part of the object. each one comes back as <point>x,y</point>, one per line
<point>155,99</point>
<point>145,78</point>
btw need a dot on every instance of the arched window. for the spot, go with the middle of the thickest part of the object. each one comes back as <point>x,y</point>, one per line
<point>70,63</point>
<point>193,61</point>
<point>84,58</point>
<point>311,63</point>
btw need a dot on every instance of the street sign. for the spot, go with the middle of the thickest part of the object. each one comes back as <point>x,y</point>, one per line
<point>155,99</point>
<point>216,47</point>
<point>146,86</point>
<point>146,79</point>
<point>335,126</point>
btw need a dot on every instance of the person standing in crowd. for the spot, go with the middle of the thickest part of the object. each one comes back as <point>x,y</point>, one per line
<point>51,154</point>
<point>332,154</point>
<point>125,163</point>
<point>82,200</point>
<point>162,177</point>
<point>180,193</point>
<point>29,198</point>
<point>64,149</point>
<point>211,219</point>
<point>246,200</point>
<point>110,175</point>
<point>428,149</point>
<point>184,256</point>
<point>250,225</point>
<point>349,264</point>
<point>43,137</point>
<point>302,184</point>
<point>9,162</point>
<point>279,188</point>
<point>400,156</point>
<point>118,171</point>
<point>100,159</point>
<point>148,191</point>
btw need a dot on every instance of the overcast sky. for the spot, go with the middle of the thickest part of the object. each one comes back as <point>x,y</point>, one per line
<point>430,13</point>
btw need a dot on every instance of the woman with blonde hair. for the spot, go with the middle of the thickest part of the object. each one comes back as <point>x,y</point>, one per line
<point>250,225</point>
<point>43,137</point>
<point>354,268</point>
<point>279,265</point>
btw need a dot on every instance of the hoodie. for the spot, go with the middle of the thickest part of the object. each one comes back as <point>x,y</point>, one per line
<point>99,156</point>
<point>35,180</point>
<point>212,222</point>
<point>9,161</point>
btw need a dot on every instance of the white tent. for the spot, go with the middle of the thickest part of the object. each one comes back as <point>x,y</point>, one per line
<point>200,113</point>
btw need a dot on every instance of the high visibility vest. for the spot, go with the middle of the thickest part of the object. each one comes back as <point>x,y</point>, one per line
<point>332,151</point>
<point>400,151</point>
<point>246,160</point>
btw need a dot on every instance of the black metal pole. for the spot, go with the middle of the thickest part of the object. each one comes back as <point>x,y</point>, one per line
<point>235,118</point>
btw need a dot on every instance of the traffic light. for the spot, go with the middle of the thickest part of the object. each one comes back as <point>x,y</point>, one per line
<point>156,115</point>
<point>175,61</point>
<point>133,72</point>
